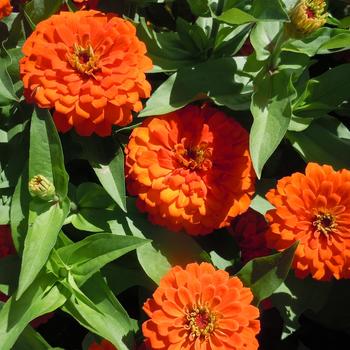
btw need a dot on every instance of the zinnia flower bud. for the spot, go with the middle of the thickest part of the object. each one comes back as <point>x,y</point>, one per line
<point>5,8</point>
<point>40,186</point>
<point>308,15</point>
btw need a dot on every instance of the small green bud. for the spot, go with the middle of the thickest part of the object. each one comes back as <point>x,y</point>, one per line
<point>40,186</point>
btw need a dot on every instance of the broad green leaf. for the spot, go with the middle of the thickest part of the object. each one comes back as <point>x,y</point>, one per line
<point>94,208</point>
<point>40,239</point>
<point>167,248</point>
<point>45,153</point>
<point>264,275</point>
<point>294,296</point>
<point>107,159</point>
<point>198,7</point>
<point>165,49</point>
<point>38,10</point>
<point>320,42</point>
<point>261,10</point>
<point>324,93</point>
<point>110,320</point>
<point>325,141</point>
<point>87,256</point>
<point>40,298</point>
<point>19,211</point>
<point>263,38</point>
<point>214,78</point>
<point>271,109</point>
<point>31,340</point>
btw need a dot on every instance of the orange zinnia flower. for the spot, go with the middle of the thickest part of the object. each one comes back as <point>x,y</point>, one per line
<point>191,169</point>
<point>315,209</point>
<point>5,8</point>
<point>90,67</point>
<point>201,308</point>
<point>249,230</point>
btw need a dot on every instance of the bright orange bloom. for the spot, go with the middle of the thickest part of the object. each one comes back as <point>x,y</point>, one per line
<point>315,209</point>
<point>249,230</point>
<point>90,67</point>
<point>201,308</point>
<point>5,8</point>
<point>104,345</point>
<point>191,169</point>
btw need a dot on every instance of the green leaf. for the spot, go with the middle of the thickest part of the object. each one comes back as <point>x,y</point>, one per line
<point>38,10</point>
<point>165,49</point>
<point>9,270</point>
<point>30,340</point>
<point>107,159</point>
<point>217,79</point>
<point>45,154</point>
<point>271,109</point>
<point>324,93</point>
<point>94,208</point>
<point>40,298</point>
<point>40,240</point>
<point>110,320</point>
<point>322,41</point>
<point>198,7</point>
<point>261,10</point>
<point>294,296</point>
<point>331,148</point>
<point>264,275</point>
<point>87,256</point>
<point>167,248</point>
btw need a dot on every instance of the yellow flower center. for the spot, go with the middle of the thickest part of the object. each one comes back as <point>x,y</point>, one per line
<point>84,60</point>
<point>194,157</point>
<point>309,15</point>
<point>324,222</point>
<point>200,322</point>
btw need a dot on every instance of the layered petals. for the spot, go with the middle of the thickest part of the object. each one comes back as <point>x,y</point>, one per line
<point>249,231</point>
<point>190,169</point>
<point>90,67</point>
<point>5,8</point>
<point>314,209</point>
<point>201,308</point>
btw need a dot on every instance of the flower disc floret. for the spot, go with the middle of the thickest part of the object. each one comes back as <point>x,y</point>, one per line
<point>201,308</point>
<point>90,67</point>
<point>314,209</point>
<point>191,169</point>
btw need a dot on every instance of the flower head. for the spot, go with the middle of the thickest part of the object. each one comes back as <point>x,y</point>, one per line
<point>315,209</point>
<point>5,8</point>
<point>201,308</point>
<point>308,15</point>
<point>90,67</point>
<point>191,169</point>
<point>249,230</point>
<point>40,186</point>
<point>6,242</point>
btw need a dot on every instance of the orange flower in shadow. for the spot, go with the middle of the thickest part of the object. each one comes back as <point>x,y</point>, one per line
<point>90,67</point>
<point>249,231</point>
<point>191,169</point>
<point>5,8</point>
<point>201,308</point>
<point>315,209</point>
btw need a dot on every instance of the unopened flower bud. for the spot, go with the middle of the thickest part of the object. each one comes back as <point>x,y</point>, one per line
<point>308,16</point>
<point>40,186</point>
